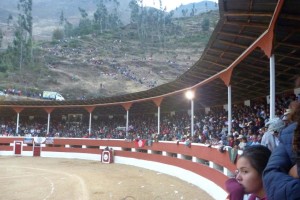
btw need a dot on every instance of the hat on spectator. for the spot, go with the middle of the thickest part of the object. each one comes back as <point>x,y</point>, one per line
<point>276,124</point>
<point>287,111</point>
<point>235,133</point>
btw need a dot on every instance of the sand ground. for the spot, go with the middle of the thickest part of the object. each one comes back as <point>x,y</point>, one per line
<point>36,178</point>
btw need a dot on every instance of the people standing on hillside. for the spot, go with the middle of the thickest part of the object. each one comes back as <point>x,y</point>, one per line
<point>248,182</point>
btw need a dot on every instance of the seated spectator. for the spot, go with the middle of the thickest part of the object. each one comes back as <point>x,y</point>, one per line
<point>243,142</point>
<point>255,140</point>
<point>236,141</point>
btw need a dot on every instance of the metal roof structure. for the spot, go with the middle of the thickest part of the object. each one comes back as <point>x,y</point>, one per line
<point>247,34</point>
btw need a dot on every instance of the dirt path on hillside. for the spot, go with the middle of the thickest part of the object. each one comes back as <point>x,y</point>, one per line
<point>27,178</point>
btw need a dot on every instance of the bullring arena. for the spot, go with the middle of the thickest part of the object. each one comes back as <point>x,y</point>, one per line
<point>77,169</point>
<point>237,67</point>
<point>51,178</point>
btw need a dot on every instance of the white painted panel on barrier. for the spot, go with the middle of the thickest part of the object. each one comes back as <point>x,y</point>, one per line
<point>7,153</point>
<point>27,153</point>
<point>114,148</point>
<point>84,156</point>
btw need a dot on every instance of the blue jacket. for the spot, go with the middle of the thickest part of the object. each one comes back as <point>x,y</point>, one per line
<point>286,138</point>
<point>278,184</point>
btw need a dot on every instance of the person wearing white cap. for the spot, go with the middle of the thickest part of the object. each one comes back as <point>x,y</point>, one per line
<point>270,138</point>
<point>286,117</point>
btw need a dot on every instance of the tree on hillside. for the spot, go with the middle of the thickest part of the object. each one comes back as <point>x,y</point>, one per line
<point>1,37</point>
<point>83,13</point>
<point>9,19</point>
<point>114,20</point>
<point>100,16</point>
<point>58,34</point>
<point>134,15</point>
<point>193,11</point>
<point>205,24</point>
<point>151,25</point>
<point>85,24</point>
<point>68,27</point>
<point>162,24</point>
<point>23,34</point>
<point>61,18</point>
<point>184,12</point>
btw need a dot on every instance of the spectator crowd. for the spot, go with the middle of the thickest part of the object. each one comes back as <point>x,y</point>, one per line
<point>249,125</point>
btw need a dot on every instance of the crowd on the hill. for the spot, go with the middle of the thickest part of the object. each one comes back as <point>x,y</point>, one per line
<point>248,125</point>
<point>108,65</point>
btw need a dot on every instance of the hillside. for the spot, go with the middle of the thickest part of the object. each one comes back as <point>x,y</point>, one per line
<point>112,63</point>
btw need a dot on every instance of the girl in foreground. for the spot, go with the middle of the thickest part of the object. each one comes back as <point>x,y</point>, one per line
<point>248,181</point>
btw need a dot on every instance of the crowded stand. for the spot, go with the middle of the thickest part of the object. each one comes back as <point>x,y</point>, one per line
<point>249,123</point>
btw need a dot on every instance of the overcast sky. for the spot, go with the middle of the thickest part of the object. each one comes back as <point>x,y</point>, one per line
<point>170,4</point>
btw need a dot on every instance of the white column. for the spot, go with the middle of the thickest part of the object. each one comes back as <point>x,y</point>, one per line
<point>229,109</point>
<point>18,118</point>
<point>90,123</point>
<point>272,87</point>
<point>127,122</point>
<point>192,117</point>
<point>190,95</point>
<point>48,125</point>
<point>179,156</point>
<point>194,159</point>
<point>158,119</point>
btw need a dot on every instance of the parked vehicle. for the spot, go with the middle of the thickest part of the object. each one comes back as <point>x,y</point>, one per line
<point>52,96</point>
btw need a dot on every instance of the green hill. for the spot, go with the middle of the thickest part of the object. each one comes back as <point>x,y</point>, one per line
<point>113,62</point>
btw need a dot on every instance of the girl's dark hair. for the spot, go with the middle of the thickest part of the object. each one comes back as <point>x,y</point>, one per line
<point>258,156</point>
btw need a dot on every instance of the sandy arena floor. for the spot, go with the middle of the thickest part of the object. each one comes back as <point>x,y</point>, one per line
<point>36,178</point>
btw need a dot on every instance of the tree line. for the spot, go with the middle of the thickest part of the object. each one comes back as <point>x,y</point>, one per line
<point>145,22</point>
